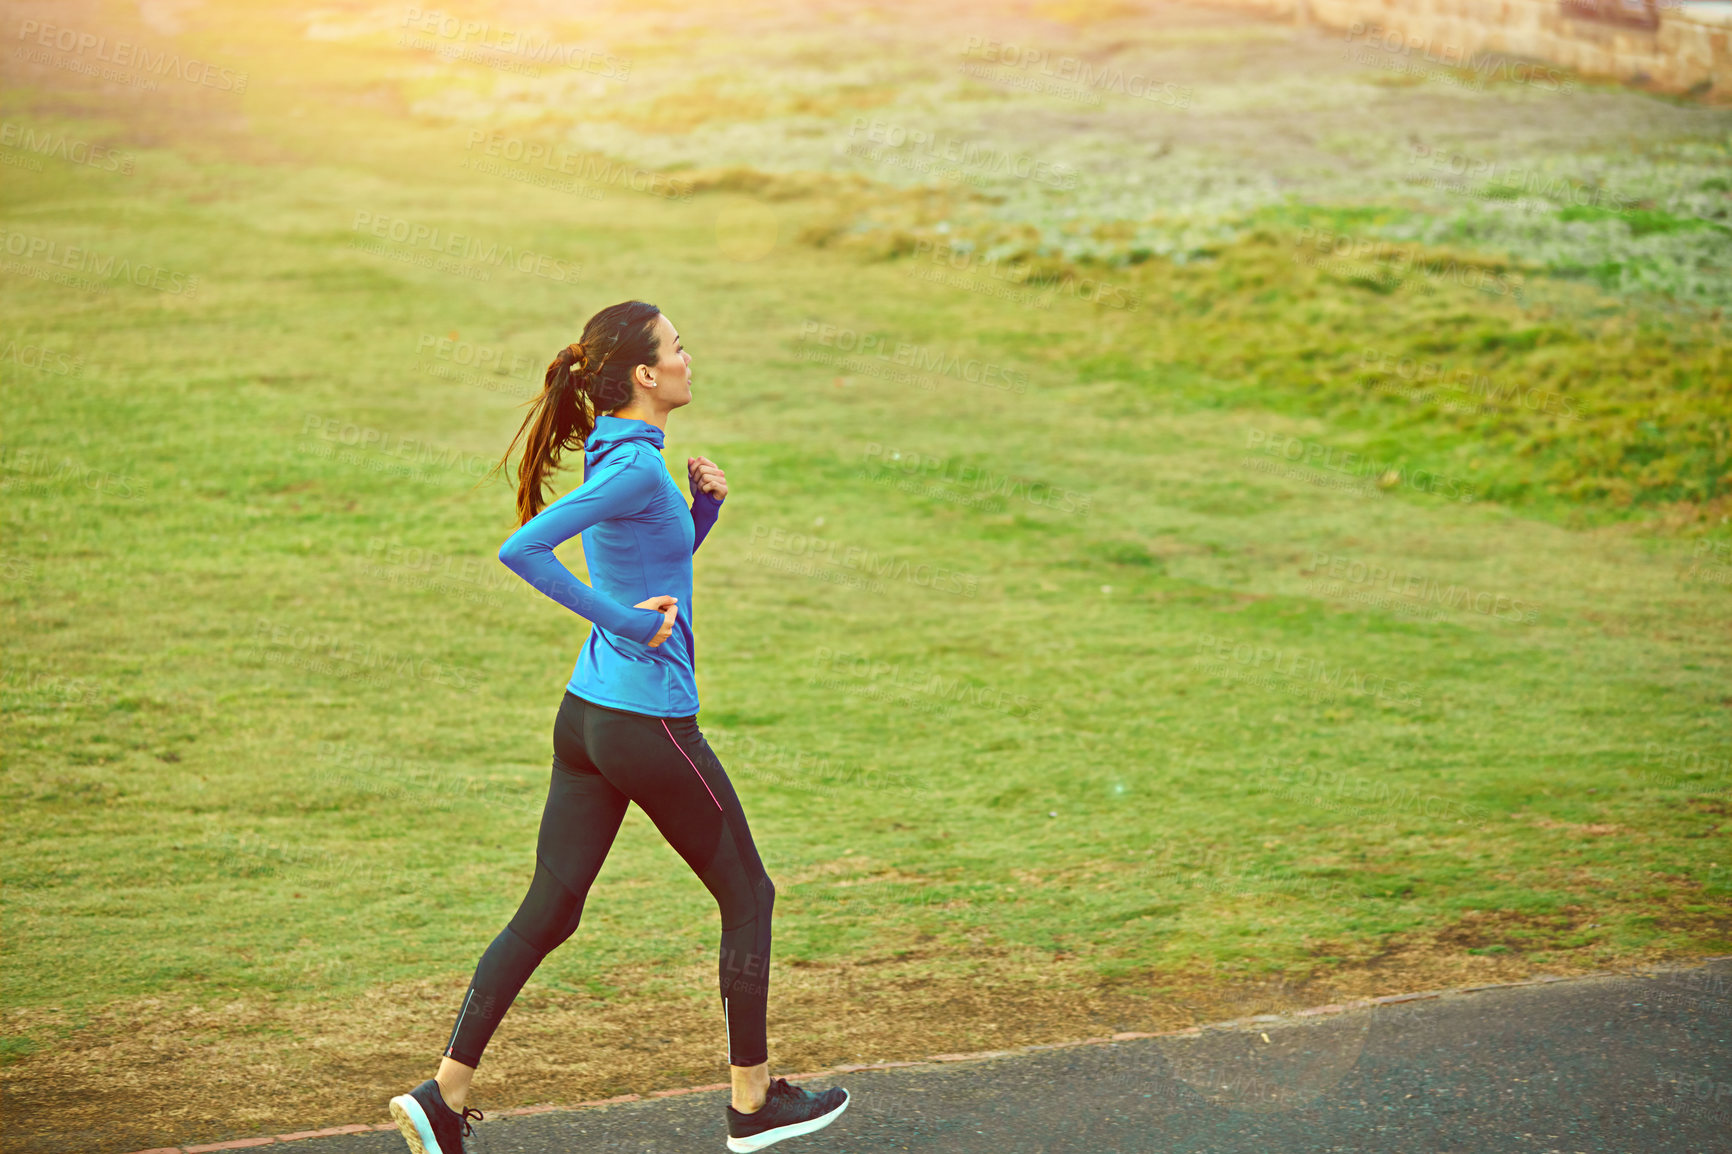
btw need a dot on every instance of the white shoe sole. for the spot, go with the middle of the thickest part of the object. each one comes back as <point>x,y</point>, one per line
<point>792,1130</point>
<point>413,1122</point>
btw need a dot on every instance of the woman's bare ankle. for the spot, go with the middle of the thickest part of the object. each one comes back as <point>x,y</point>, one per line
<point>751,1084</point>
<point>453,1079</point>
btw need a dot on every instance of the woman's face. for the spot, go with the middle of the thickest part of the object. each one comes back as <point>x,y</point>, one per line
<point>672,374</point>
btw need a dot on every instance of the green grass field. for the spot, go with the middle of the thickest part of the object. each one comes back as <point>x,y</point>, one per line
<point>1272,624</point>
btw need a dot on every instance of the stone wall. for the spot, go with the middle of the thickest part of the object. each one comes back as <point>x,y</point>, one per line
<point>1666,45</point>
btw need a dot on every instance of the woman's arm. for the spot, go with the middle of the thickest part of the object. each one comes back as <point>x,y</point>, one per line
<point>616,490</point>
<point>709,489</point>
<point>704,510</point>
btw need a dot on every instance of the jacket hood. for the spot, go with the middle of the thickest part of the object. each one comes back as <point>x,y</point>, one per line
<point>611,432</point>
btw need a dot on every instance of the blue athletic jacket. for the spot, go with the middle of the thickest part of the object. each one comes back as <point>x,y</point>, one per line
<point>638,540</point>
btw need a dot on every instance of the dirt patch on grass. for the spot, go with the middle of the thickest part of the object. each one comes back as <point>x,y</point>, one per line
<point>1486,931</point>
<point>149,1072</point>
<point>155,1072</point>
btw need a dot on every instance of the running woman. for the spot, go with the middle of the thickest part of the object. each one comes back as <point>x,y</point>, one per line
<point>627,728</point>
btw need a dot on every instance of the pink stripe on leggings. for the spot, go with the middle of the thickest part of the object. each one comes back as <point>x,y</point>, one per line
<point>690,762</point>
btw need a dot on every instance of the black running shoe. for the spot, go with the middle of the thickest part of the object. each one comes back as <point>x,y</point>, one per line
<point>788,1111</point>
<point>428,1124</point>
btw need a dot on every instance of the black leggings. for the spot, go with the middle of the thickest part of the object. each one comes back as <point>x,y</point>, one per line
<point>604,759</point>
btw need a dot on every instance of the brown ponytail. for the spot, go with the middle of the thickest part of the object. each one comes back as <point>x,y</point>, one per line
<point>587,377</point>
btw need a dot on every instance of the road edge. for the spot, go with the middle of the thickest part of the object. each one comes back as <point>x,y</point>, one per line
<point>1258,1021</point>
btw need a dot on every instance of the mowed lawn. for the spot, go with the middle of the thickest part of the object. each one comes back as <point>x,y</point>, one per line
<point>1063,691</point>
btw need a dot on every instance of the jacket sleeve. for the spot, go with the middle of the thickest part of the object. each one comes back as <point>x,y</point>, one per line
<point>704,511</point>
<point>616,490</point>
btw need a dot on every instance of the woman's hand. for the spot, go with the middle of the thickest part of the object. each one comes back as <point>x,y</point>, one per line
<point>707,476</point>
<point>670,608</point>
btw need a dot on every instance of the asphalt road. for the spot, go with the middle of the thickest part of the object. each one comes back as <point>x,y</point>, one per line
<point>1626,1065</point>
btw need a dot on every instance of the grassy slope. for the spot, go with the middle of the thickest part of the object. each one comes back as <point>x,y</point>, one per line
<point>200,821</point>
